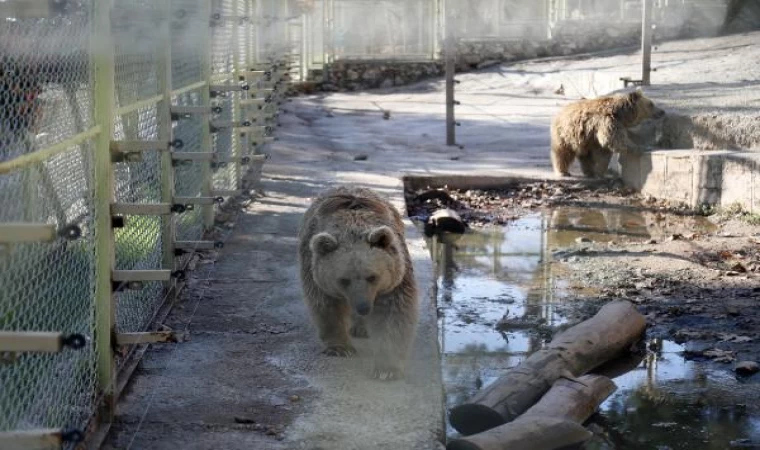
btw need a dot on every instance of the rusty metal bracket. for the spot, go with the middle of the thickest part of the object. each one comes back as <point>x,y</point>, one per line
<point>149,337</point>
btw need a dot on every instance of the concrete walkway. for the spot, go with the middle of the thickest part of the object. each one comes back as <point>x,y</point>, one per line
<point>252,376</point>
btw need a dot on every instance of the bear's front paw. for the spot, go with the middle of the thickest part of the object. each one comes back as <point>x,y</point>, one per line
<point>387,373</point>
<point>359,331</point>
<point>343,351</point>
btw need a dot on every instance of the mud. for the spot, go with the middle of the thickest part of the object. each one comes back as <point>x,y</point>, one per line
<point>542,256</point>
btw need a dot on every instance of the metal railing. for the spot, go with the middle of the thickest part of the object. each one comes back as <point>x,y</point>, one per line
<point>123,125</point>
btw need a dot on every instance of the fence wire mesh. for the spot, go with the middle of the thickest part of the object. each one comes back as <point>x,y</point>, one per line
<point>51,151</point>
<point>385,29</point>
<point>44,75</point>
<point>49,287</point>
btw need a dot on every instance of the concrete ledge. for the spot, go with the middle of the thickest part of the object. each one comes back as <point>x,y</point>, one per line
<point>696,178</point>
<point>506,181</point>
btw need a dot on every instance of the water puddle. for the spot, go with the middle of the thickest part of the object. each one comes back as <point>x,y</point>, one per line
<point>500,300</point>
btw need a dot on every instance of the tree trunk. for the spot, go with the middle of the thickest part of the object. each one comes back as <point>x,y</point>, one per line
<point>576,351</point>
<point>552,423</point>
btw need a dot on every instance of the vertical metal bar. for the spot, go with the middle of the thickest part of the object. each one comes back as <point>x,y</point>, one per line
<point>235,139</point>
<point>102,55</point>
<point>450,72</point>
<point>207,211</point>
<point>646,42</point>
<point>163,110</point>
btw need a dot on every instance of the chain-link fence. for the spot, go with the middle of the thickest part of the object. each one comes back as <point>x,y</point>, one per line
<point>123,124</point>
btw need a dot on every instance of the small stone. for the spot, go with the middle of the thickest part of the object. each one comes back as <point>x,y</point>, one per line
<point>454,158</point>
<point>582,240</point>
<point>244,420</point>
<point>747,368</point>
<point>280,437</point>
<point>295,398</point>
<point>652,241</point>
<point>361,157</point>
<point>675,237</point>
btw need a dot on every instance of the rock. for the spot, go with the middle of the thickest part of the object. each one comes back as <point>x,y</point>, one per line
<point>747,368</point>
<point>361,157</point>
<point>582,240</point>
<point>244,420</point>
<point>352,75</point>
<point>295,398</point>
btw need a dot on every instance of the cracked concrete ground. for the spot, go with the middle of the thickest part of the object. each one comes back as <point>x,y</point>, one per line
<point>251,377</point>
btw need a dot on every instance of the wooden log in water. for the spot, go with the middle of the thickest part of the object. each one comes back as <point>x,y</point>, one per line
<point>576,351</point>
<point>552,423</point>
<point>446,224</point>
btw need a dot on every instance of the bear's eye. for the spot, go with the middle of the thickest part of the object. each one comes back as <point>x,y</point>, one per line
<point>371,279</point>
<point>345,282</point>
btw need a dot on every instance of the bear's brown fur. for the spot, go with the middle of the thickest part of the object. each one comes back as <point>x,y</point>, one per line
<point>357,276</point>
<point>592,130</point>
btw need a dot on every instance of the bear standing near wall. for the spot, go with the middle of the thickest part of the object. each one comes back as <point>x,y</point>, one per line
<point>592,130</point>
<point>357,276</point>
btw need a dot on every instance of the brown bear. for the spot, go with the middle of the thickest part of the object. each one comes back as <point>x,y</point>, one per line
<point>357,276</point>
<point>592,130</point>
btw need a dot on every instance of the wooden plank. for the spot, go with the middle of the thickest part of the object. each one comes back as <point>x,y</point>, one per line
<point>16,232</point>
<point>127,276</point>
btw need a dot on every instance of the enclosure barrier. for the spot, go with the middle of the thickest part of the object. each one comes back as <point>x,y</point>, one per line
<point>124,124</point>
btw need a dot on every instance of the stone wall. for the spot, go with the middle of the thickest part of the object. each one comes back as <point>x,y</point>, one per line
<point>357,75</point>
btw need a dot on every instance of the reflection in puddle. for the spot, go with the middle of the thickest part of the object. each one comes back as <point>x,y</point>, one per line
<point>502,275</point>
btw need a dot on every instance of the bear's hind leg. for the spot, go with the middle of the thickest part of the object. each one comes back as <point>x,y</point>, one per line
<point>333,323</point>
<point>562,159</point>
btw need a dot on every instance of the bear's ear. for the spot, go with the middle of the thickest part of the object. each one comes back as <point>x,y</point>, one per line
<point>381,237</point>
<point>323,243</point>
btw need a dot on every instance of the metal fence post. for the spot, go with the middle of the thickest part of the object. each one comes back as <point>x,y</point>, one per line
<point>102,54</point>
<point>646,42</point>
<point>207,144</point>
<point>450,50</point>
<point>163,110</point>
<point>236,141</point>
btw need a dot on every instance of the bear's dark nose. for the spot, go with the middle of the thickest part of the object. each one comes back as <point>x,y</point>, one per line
<point>363,309</point>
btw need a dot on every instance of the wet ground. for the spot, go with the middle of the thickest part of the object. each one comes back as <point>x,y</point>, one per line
<point>541,257</point>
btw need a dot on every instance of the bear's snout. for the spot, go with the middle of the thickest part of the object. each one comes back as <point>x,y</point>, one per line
<point>363,309</point>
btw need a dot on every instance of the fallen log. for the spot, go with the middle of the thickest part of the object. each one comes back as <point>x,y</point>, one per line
<point>446,224</point>
<point>575,351</point>
<point>552,423</point>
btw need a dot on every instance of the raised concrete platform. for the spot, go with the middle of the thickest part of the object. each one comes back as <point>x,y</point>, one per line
<point>716,178</point>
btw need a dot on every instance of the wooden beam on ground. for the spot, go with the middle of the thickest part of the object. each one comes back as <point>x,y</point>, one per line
<point>576,351</point>
<point>552,423</point>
